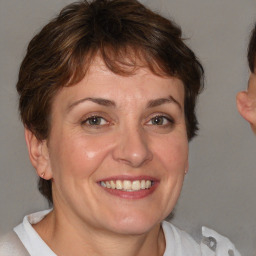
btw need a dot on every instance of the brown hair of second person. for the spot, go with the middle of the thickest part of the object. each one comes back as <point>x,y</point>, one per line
<point>125,34</point>
<point>251,55</point>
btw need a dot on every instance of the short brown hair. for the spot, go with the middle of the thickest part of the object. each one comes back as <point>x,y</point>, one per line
<point>251,55</point>
<point>125,34</point>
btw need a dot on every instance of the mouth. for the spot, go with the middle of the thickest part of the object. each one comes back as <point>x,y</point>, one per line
<point>128,185</point>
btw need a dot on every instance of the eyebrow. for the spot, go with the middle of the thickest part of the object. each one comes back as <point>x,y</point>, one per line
<point>110,103</point>
<point>100,101</point>
<point>161,101</point>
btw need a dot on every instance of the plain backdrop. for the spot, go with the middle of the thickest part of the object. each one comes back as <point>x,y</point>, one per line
<point>219,190</point>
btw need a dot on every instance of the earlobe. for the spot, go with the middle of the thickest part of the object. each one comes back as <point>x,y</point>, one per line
<point>39,155</point>
<point>246,107</point>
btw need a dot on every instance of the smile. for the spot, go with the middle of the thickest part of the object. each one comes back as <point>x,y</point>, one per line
<point>127,185</point>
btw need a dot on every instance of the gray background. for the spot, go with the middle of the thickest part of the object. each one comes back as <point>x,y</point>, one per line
<point>219,190</point>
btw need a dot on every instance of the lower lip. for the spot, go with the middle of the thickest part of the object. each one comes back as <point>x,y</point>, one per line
<point>139,194</point>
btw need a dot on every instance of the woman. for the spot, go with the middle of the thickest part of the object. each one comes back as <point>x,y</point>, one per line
<point>107,97</point>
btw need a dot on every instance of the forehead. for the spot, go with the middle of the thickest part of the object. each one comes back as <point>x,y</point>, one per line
<point>136,71</point>
<point>141,86</point>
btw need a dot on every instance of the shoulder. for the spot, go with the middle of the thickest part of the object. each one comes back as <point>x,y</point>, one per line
<point>216,244</point>
<point>212,243</point>
<point>11,245</point>
<point>178,242</point>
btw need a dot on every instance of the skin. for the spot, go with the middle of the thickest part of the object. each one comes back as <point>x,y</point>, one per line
<point>126,143</point>
<point>246,102</point>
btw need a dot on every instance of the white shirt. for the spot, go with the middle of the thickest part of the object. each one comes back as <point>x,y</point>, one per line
<point>30,238</point>
<point>178,242</point>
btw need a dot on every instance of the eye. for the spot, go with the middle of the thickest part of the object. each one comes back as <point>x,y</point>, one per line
<point>95,121</point>
<point>160,120</point>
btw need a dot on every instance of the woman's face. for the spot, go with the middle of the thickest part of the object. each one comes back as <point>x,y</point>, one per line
<point>118,150</point>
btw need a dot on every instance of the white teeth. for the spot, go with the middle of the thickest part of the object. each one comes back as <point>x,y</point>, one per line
<point>127,185</point>
<point>108,184</point>
<point>113,185</point>
<point>119,184</point>
<point>143,184</point>
<point>103,184</point>
<point>136,185</point>
<point>148,184</point>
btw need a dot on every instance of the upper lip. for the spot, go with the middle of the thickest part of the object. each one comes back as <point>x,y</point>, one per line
<point>128,177</point>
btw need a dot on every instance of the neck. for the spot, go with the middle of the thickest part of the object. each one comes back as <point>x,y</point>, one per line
<point>66,237</point>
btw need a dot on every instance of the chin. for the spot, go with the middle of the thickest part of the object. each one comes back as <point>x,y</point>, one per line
<point>135,225</point>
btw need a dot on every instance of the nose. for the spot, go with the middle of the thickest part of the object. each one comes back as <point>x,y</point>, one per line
<point>132,148</point>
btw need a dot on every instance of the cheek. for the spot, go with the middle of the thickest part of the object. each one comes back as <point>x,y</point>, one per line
<point>173,153</point>
<point>79,156</point>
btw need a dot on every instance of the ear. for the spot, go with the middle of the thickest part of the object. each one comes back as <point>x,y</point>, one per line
<point>39,155</point>
<point>246,107</point>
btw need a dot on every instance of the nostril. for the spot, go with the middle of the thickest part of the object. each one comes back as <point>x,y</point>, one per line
<point>132,149</point>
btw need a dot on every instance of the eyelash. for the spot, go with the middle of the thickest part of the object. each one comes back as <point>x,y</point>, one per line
<point>170,120</point>
<point>94,117</point>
